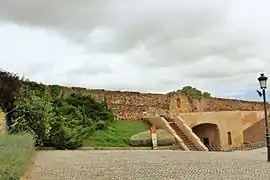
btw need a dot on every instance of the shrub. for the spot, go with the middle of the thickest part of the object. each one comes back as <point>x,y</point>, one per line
<point>33,115</point>
<point>61,122</point>
<point>54,91</point>
<point>9,87</point>
<point>65,134</point>
<point>52,119</point>
<point>15,155</point>
<point>78,117</point>
<point>193,93</point>
<point>92,110</point>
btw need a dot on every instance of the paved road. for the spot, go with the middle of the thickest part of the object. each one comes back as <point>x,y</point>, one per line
<point>150,165</point>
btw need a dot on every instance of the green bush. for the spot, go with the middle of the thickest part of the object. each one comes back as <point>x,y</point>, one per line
<point>193,93</point>
<point>53,120</point>
<point>34,115</point>
<point>66,134</point>
<point>92,111</point>
<point>15,155</point>
<point>54,91</point>
<point>9,88</point>
<point>59,122</point>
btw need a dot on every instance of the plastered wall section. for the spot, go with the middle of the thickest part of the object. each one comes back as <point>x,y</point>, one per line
<point>254,130</point>
<point>255,133</point>
<point>249,118</point>
<point>226,122</point>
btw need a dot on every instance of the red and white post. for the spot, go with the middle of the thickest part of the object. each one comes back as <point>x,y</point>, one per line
<point>154,136</point>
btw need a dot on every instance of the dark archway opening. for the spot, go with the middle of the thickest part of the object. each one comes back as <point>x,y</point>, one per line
<point>178,103</point>
<point>209,135</point>
<point>206,141</point>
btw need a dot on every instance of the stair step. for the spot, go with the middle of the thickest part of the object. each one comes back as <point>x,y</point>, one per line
<point>182,135</point>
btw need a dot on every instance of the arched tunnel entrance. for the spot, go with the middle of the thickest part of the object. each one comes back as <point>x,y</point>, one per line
<point>209,134</point>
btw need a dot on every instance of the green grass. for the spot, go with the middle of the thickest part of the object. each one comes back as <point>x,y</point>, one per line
<point>15,155</point>
<point>117,134</point>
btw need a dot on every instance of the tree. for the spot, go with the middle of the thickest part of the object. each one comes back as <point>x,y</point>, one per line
<point>206,94</point>
<point>9,87</point>
<point>193,93</point>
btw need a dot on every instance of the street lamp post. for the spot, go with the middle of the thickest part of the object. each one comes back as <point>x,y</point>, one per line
<point>263,83</point>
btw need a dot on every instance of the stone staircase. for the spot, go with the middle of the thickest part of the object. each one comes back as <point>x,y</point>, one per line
<point>184,138</point>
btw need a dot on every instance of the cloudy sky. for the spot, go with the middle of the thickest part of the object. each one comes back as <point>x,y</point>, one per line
<point>220,46</point>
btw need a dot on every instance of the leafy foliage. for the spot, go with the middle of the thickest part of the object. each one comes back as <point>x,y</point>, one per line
<point>193,93</point>
<point>61,122</point>
<point>35,115</point>
<point>54,90</point>
<point>66,133</point>
<point>88,107</point>
<point>9,87</point>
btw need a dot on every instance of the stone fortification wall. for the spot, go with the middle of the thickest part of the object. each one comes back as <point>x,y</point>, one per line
<point>219,104</point>
<point>128,105</point>
<point>132,105</point>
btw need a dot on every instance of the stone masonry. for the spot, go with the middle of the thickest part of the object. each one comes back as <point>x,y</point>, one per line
<point>132,105</point>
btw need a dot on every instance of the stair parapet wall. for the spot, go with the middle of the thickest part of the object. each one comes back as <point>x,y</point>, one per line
<point>161,123</point>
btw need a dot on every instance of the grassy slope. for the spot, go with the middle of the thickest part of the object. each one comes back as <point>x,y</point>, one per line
<point>117,134</point>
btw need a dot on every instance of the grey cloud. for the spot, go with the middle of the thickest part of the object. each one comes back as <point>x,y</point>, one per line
<point>90,69</point>
<point>35,68</point>
<point>176,32</point>
<point>133,21</point>
<point>184,51</point>
<point>48,13</point>
<point>195,39</point>
<point>223,71</point>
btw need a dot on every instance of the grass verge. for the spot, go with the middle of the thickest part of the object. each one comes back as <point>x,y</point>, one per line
<point>117,134</point>
<point>16,153</point>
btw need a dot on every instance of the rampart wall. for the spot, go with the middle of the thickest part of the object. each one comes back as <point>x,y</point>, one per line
<point>132,105</point>
<point>219,104</point>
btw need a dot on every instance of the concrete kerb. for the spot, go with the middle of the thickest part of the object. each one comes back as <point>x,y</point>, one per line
<point>110,148</point>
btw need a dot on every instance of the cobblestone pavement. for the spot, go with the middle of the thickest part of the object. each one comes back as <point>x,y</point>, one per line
<point>148,165</point>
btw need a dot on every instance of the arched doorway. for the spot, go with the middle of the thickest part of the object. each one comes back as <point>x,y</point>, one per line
<point>209,134</point>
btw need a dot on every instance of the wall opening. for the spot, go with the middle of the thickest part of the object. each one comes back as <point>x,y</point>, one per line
<point>229,138</point>
<point>206,142</point>
<point>209,135</point>
<point>178,102</point>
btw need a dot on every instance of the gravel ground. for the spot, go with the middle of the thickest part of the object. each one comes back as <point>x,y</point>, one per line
<point>150,164</point>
